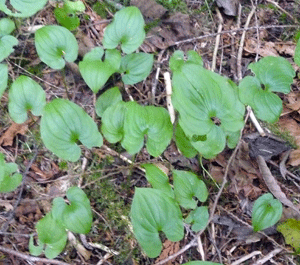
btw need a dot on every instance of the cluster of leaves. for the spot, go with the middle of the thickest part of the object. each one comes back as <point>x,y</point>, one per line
<point>76,216</point>
<point>211,110</point>
<point>129,122</point>
<point>158,208</point>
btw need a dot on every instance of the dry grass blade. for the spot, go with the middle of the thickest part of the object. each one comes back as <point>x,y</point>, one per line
<point>273,185</point>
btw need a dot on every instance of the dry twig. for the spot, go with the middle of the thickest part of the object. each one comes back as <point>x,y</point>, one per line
<point>30,258</point>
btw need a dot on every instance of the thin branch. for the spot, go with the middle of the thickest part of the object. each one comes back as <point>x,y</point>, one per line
<point>30,258</point>
<point>220,27</point>
<point>241,48</point>
<point>233,31</point>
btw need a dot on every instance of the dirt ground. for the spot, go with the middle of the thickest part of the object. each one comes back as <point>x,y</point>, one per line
<point>218,34</point>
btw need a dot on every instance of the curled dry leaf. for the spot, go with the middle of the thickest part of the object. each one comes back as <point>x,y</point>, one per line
<point>169,248</point>
<point>8,137</point>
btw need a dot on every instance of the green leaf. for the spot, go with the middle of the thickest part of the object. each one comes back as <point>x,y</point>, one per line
<point>63,124</point>
<point>24,8</point>
<point>198,218</point>
<point>153,211</point>
<point>183,143</point>
<point>8,180</point>
<point>266,212</point>
<point>67,15</point>
<point>74,7</point>
<point>69,21</point>
<point>233,139</point>
<point>297,53</point>
<point>187,185</point>
<point>151,121</point>
<point>35,250</point>
<point>137,67</point>
<point>3,78</point>
<point>158,179</point>
<point>266,105</point>
<point>49,231</point>
<point>96,72</point>
<point>54,249</point>
<point>291,232</point>
<point>109,98</point>
<point>24,95</point>
<point>77,216</point>
<point>127,28</point>
<point>201,263</point>
<point>7,26</point>
<point>113,122</point>
<point>6,46</point>
<point>54,45</point>
<point>207,103</point>
<point>177,60</point>
<point>274,73</point>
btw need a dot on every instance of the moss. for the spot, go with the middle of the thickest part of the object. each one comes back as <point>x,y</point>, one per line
<point>282,133</point>
<point>107,200</point>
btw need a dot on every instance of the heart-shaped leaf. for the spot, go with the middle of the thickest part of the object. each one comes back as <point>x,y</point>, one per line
<point>198,218</point>
<point>9,180</point>
<point>54,45</point>
<point>151,121</point>
<point>24,95</point>
<point>207,103</point>
<point>109,98</point>
<point>266,105</point>
<point>77,216</point>
<point>127,28</point>
<point>63,124</point>
<point>3,78</point>
<point>96,72</point>
<point>274,73</point>
<point>6,46</point>
<point>158,179</point>
<point>153,211</point>
<point>137,67</point>
<point>266,212</point>
<point>187,186</point>
<point>7,26</point>
<point>24,8</point>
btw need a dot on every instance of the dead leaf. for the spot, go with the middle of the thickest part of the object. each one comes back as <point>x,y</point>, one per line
<point>263,49</point>
<point>149,8</point>
<point>268,48</point>
<point>230,6</point>
<point>291,126</point>
<point>169,248</point>
<point>293,99</point>
<point>8,137</point>
<point>177,27</point>
<point>243,174</point>
<point>8,207</point>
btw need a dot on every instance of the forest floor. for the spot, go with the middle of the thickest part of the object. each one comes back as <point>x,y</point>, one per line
<point>107,177</point>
